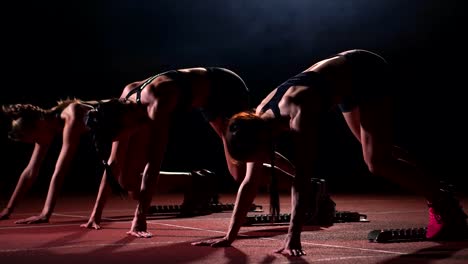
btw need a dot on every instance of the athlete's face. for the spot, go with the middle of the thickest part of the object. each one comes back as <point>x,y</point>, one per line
<point>25,130</point>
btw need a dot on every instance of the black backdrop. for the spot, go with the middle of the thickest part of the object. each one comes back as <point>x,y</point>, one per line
<point>90,49</point>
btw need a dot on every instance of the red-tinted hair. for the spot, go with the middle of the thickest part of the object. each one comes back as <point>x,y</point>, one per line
<point>245,135</point>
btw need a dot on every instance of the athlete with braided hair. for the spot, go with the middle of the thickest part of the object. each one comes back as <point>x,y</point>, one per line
<point>33,124</point>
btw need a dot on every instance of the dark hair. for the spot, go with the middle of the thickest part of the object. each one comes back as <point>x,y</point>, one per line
<point>104,122</point>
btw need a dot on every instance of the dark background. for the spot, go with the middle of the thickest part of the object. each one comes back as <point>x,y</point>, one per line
<point>52,50</point>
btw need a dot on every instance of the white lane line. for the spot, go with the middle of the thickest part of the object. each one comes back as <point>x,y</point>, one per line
<point>80,212</point>
<point>24,226</point>
<point>343,258</point>
<point>273,239</point>
<point>90,245</point>
<point>220,232</point>
<point>397,212</point>
<point>32,226</point>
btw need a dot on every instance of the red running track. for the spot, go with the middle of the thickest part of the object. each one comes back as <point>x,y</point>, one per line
<point>63,241</point>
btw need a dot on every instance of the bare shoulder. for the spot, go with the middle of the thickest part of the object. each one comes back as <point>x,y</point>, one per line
<point>193,70</point>
<point>328,64</point>
<point>75,111</point>
<point>265,101</point>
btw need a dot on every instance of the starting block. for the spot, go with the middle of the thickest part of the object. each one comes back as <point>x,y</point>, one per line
<point>213,207</point>
<point>340,217</point>
<point>321,210</point>
<point>397,235</point>
<point>408,235</point>
<point>347,216</point>
<point>199,199</point>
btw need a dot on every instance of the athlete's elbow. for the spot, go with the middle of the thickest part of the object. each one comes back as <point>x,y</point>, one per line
<point>30,173</point>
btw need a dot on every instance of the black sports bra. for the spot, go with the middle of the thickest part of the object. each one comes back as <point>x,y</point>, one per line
<point>173,74</point>
<point>309,78</point>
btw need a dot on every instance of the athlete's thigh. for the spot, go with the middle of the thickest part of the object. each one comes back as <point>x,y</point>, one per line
<point>376,128</point>
<point>136,158</point>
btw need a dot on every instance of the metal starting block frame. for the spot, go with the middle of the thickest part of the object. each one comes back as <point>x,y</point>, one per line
<point>321,210</point>
<point>214,207</point>
<point>397,235</point>
<point>340,217</point>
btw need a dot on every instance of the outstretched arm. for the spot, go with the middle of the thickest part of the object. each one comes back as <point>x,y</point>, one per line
<point>116,161</point>
<point>27,178</point>
<point>245,197</point>
<point>299,190</point>
<point>305,136</point>
<point>71,136</point>
<point>160,113</point>
<point>94,220</point>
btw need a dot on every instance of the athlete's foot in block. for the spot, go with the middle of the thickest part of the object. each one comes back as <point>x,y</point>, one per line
<point>447,220</point>
<point>139,229</point>
<point>439,228</point>
<point>39,219</point>
<point>91,224</point>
